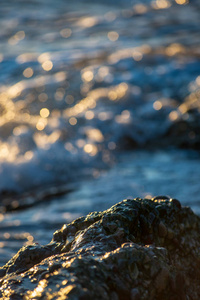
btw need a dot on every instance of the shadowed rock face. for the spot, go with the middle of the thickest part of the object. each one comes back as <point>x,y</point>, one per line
<point>137,249</point>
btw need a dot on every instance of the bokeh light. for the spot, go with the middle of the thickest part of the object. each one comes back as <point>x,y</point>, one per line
<point>113,36</point>
<point>44,112</point>
<point>66,32</point>
<point>47,65</point>
<point>28,72</point>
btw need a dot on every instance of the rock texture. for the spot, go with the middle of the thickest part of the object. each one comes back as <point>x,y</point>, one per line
<point>137,249</point>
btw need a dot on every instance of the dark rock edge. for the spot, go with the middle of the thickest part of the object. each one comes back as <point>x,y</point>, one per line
<point>137,249</point>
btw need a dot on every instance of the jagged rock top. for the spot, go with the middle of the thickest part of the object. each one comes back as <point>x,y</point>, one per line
<point>137,249</point>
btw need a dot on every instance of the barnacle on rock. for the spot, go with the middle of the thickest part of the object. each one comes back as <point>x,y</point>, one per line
<point>137,249</point>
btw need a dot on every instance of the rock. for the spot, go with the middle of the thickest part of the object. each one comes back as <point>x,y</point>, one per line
<point>135,295</point>
<point>162,230</point>
<point>137,249</point>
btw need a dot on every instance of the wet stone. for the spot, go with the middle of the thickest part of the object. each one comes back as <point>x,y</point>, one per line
<point>176,203</point>
<point>105,256</point>
<point>162,230</point>
<point>114,296</point>
<point>170,234</point>
<point>2,272</point>
<point>135,295</point>
<point>161,280</point>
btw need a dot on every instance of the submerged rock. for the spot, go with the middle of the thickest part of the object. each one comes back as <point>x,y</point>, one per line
<point>137,249</point>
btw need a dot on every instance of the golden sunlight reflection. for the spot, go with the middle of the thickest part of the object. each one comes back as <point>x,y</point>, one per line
<point>66,290</point>
<point>20,35</point>
<point>69,147</point>
<point>174,49</point>
<point>47,65</point>
<point>87,22</point>
<point>124,118</point>
<point>173,116</point>
<point>83,105</point>
<point>42,140</point>
<point>137,55</point>
<point>182,2</point>
<point>16,89</point>
<point>160,4</point>
<point>114,93</point>
<point>30,240</point>
<point>136,52</point>
<point>20,130</point>
<point>94,135</point>
<point>66,32</point>
<point>4,151</point>
<point>183,108</point>
<point>13,110</point>
<point>72,121</point>
<point>26,57</point>
<point>113,36</point>
<point>60,76</point>
<point>41,124</point>
<point>191,102</point>
<point>140,8</point>
<point>118,92</point>
<point>10,115</point>
<point>54,136</point>
<point>87,76</point>
<point>28,155</point>
<point>80,143</point>
<point>44,57</point>
<point>26,117</point>
<point>103,72</point>
<point>8,152</point>
<point>89,115</point>
<point>44,112</point>
<point>64,282</point>
<point>28,72</point>
<point>37,292</point>
<point>157,105</point>
<point>91,149</point>
<point>103,116</point>
<point>198,81</point>
<point>6,235</point>
<point>1,217</point>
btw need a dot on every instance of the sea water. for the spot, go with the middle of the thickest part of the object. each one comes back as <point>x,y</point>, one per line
<point>99,101</point>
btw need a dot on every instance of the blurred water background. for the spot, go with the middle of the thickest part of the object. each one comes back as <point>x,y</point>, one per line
<point>99,101</point>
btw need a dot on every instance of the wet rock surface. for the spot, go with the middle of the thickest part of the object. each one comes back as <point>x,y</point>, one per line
<point>137,249</point>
